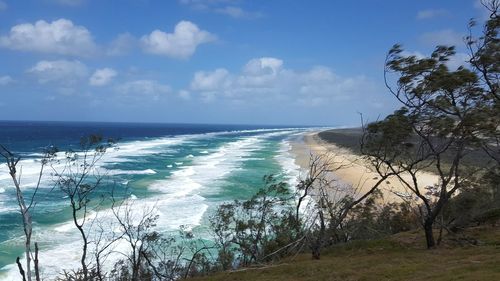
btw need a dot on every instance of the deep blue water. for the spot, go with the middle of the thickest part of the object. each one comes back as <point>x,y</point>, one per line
<point>35,136</point>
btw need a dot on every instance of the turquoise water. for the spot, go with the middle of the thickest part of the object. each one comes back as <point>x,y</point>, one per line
<point>184,176</point>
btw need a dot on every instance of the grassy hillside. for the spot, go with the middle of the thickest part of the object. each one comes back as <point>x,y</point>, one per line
<point>400,257</point>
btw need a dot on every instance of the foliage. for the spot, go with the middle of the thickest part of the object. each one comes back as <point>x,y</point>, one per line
<point>373,220</point>
<point>476,205</point>
<point>445,114</point>
<point>255,230</point>
<point>399,257</point>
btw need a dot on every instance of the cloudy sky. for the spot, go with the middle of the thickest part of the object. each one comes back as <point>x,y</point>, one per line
<point>213,61</point>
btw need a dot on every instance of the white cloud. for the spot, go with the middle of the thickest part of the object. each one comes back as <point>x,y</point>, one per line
<point>459,59</point>
<point>3,6</point>
<point>418,55</point>
<point>431,13</point>
<point>263,65</point>
<point>60,71</point>
<point>224,7</point>
<point>454,62</point>
<point>58,37</point>
<point>102,76</point>
<point>141,88</point>
<point>260,72</point>
<point>184,94</point>
<point>122,45</point>
<point>266,79</point>
<point>237,12</point>
<point>442,37</point>
<point>5,80</point>
<point>210,81</point>
<point>181,44</point>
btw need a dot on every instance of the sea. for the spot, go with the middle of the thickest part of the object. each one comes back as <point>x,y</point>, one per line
<point>184,170</point>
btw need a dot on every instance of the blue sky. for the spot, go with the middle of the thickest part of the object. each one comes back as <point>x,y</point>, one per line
<point>213,61</point>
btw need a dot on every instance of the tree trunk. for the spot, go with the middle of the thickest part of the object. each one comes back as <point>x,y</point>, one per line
<point>83,258</point>
<point>316,253</point>
<point>316,248</point>
<point>98,267</point>
<point>27,246</point>
<point>429,235</point>
<point>27,226</point>
<point>441,227</point>
<point>37,269</point>
<point>20,267</point>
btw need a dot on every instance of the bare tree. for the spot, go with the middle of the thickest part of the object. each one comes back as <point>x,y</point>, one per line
<point>79,179</point>
<point>104,241</point>
<point>165,258</point>
<point>26,207</point>
<point>331,201</point>
<point>136,227</point>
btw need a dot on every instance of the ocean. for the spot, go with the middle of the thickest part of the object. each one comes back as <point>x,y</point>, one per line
<point>184,170</point>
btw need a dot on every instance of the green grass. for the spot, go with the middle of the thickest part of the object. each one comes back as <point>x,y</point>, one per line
<point>400,257</point>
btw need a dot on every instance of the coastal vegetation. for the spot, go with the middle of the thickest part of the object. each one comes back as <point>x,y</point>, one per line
<point>398,257</point>
<point>444,111</point>
<point>320,228</point>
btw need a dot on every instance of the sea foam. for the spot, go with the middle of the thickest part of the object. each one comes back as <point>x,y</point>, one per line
<point>179,201</point>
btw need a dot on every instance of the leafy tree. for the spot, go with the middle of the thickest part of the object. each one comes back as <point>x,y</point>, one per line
<point>256,230</point>
<point>444,115</point>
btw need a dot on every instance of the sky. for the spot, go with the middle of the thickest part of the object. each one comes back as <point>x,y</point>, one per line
<point>280,62</point>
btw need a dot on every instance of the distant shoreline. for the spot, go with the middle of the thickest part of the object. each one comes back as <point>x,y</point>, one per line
<point>356,172</point>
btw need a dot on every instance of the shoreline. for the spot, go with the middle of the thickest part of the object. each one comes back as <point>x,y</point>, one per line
<point>355,171</point>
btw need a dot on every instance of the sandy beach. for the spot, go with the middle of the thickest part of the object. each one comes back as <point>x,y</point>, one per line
<point>355,171</point>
